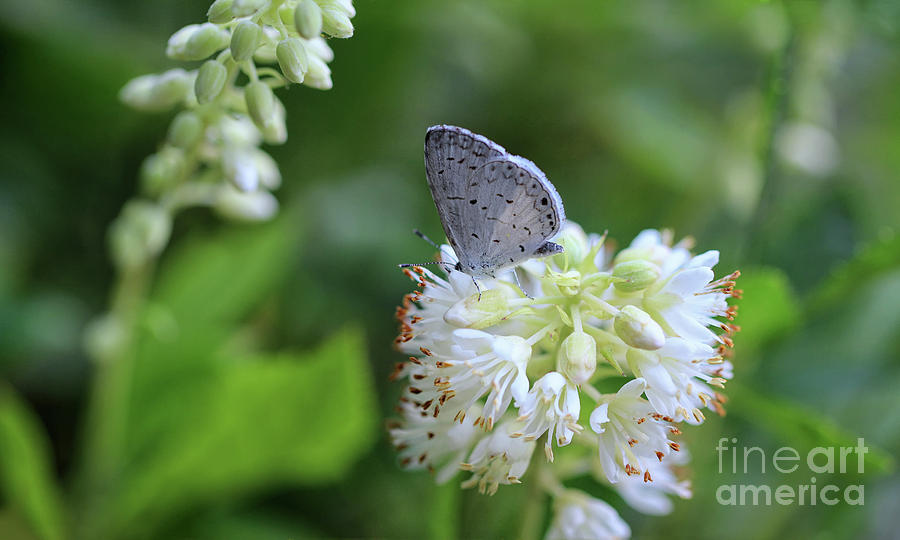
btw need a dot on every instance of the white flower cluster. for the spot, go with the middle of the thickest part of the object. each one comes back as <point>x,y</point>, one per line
<point>493,372</point>
<point>211,156</point>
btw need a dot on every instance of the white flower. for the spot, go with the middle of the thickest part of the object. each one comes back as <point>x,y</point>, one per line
<point>422,315</point>
<point>686,303</point>
<point>650,314</point>
<point>479,364</point>
<point>653,497</point>
<point>579,516</point>
<point>424,441</point>
<point>631,435</point>
<point>676,375</point>
<point>656,247</point>
<point>552,406</point>
<point>498,459</point>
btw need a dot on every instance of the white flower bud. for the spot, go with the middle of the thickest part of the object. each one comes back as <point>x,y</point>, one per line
<point>344,6</point>
<point>636,328</point>
<point>243,8</point>
<point>319,47</point>
<point>470,312</point>
<point>239,131</point>
<point>240,169</point>
<point>318,75</point>
<point>308,19</point>
<point>637,275</point>
<point>139,233</point>
<point>255,206</point>
<point>293,59</point>
<point>157,92</point>
<point>245,40</point>
<point>186,130</point>
<point>210,81</point>
<point>220,12</point>
<point>336,22</point>
<point>196,42</point>
<point>162,170</point>
<point>266,169</point>
<point>578,357</point>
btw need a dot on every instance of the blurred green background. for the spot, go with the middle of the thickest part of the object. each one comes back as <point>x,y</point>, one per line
<point>256,408</point>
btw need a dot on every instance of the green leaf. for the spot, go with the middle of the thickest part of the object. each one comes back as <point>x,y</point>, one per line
<point>286,419</point>
<point>256,525</point>
<point>218,279</point>
<point>879,257</point>
<point>767,310</point>
<point>800,426</point>
<point>26,473</point>
<point>203,291</point>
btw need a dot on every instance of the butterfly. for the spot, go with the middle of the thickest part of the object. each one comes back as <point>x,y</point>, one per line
<point>497,209</point>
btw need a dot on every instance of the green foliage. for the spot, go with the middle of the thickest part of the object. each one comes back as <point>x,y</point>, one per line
<point>263,421</point>
<point>26,471</point>
<point>247,408</point>
<point>211,421</point>
<point>873,260</point>
<point>768,309</point>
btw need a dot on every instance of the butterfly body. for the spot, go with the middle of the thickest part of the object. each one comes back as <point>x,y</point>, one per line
<point>497,209</point>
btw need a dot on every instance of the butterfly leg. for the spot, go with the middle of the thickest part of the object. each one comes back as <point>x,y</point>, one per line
<point>519,285</point>
<point>477,287</point>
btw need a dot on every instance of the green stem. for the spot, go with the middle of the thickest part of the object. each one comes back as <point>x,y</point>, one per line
<point>533,510</point>
<point>776,94</point>
<point>107,415</point>
<point>445,512</point>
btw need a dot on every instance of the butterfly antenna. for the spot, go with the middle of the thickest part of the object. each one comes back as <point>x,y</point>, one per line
<point>421,235</point>
<point>408,265</point>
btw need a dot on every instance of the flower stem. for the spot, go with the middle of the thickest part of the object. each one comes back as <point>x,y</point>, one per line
<point>776,98</point>
<point>533,510</point>
<point>107,415</point>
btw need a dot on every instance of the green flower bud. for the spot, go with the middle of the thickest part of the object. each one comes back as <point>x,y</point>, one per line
<point>139,233</point>
<point>210,81</point>
<point>245,40</point>
<point>196,42</point>
<point>242,8</point>
<point>220,12</point>
<point>474,313</point>
<point>186,130</point>
<point>575,243</point>
<point>275,132</point>
<point>336,23</point>
<point>254,206</point>
<point>578,357</point>
<point>293,59</point>
<point>637,329</point>
<point>266,111</point>
<point>308,19</point>
<point>318,74</point>
<point>286,14</point>
<point>162,170</point>
<point>157,92</point>
<point>260,103</point>
<point>569,283</point>
<point>637,274</point>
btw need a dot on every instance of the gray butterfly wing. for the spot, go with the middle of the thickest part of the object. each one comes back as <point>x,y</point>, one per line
<point>451,155</point>
<point>509,211</point>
